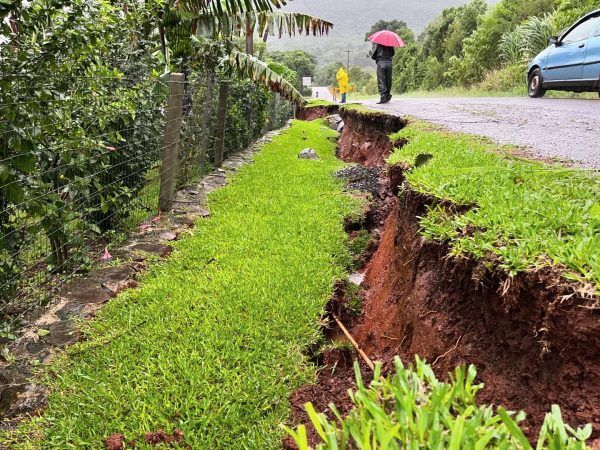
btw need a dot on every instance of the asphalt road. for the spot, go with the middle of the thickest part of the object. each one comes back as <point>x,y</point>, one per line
<point>567,129</point>
<point>322,93</point>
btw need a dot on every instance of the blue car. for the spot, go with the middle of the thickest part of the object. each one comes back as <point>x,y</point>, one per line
<point>571,63</point>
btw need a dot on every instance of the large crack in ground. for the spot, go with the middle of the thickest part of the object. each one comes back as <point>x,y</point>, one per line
<point>532,341</point>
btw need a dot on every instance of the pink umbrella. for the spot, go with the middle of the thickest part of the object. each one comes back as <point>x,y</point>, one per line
<point>387,38</point>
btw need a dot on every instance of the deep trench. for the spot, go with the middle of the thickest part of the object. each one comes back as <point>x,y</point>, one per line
<point>531,338</point>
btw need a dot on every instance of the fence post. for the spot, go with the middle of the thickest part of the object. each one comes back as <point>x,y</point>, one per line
<point>171,142</point>
<point>274,123</point>
<point>207,114</point>
<point>221,117</point>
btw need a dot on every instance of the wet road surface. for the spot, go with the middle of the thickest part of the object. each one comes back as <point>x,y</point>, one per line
<point>566,129</point>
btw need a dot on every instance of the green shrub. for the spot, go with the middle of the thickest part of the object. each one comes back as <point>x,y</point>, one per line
<point>508,79</point>
<point>80,98</point>
<point>527,40</point>
<point>568,11</point>
<point>413,409</point>
<point>483,48</point>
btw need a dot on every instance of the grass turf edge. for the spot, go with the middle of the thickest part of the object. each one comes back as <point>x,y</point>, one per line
<point>528,214</point>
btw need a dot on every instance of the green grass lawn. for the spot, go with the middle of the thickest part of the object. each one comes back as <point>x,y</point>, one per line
<point>212,343</point>
<point>526,213</point>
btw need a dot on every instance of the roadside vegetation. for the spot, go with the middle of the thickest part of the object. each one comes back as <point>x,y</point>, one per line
<point>83,106</point>
<point>413,406</point>
<point>213,342</point>
<point>362,81</point>
<point>481,47</point>
<point>526,214</point>
<point>475,49</point>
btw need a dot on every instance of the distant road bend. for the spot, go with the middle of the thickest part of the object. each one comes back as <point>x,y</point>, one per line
<point>567,129</point>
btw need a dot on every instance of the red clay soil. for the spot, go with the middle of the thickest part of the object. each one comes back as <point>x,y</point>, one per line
<point>115,442</point>
<point>154,438</point>
<point>532,339</point>
<point>365,137</point>
<point>316,112</point>
<point>335,377</point>
<point>161,437</point>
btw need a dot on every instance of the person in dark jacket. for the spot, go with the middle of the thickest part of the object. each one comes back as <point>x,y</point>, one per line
<point>383,56</point>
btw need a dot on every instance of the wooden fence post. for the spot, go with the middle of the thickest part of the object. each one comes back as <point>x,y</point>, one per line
<point>207,114</point>
<point>221,118</point>
<point>171,142</point>
<point>274,124</point>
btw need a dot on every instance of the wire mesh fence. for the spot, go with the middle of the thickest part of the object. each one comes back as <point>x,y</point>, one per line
<point>82,160</point>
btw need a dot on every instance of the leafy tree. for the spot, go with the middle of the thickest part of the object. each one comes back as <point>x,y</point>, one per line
<point>568,11</point>
<point>81,101</point>
<point>465,43</point>
<point>465,23</point>
<point>205,21</point>
<point>283,70</point>
<point>78,83</point>
<point>482,50</point>
<point>302,63</point>
<point>360,78</point>
<point>409,68</point>
<point>425,64</point>
<point>435,36</point>
<point>327,75</point>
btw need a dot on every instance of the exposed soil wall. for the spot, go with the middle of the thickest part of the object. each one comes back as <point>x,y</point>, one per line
<point>316,112</point>
<point>365,137</point>
<point>532,338</point>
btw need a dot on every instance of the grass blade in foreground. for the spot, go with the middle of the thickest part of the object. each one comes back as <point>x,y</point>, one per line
<point>412,409</point>
<point>212,342</point>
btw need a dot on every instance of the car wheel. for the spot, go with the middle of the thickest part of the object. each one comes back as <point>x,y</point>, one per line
<point>535,88</point>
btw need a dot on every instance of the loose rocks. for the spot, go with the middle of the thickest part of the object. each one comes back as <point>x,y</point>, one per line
<point>308,153</point>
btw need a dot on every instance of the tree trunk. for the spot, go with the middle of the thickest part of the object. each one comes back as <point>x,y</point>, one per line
<point>249,38</point>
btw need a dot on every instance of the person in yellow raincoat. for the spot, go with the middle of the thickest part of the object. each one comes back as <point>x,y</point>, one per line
<point>343,83</point>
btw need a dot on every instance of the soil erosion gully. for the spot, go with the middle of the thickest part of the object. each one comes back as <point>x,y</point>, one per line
<point>451,311</point>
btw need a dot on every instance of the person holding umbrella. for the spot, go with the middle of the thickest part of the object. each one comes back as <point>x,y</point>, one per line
<point>384,44</point>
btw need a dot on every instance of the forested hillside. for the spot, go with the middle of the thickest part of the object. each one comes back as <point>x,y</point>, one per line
<point>352,19</point>
<point>484,46</point>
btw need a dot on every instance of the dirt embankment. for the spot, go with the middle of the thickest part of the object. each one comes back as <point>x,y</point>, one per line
<point>316,112</point>
<point>365,137</point>
<point>531,337</point>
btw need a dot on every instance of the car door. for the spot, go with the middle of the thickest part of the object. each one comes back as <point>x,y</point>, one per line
<point>566,58</point>
<point>591,65</point>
